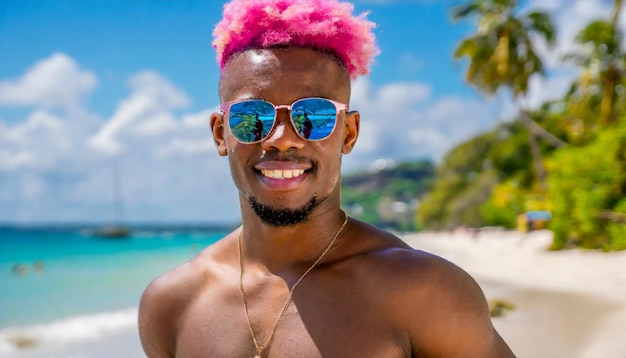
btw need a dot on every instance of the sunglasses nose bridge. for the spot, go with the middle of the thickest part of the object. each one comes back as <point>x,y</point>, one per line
<point>283,106</point>
<point>282,113</point>
<point>283,135</point>
<point>283,116</point>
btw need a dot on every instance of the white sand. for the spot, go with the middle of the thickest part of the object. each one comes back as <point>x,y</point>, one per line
<point>568,303</point>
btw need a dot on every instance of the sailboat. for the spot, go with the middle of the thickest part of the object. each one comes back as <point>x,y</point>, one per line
<point>115,230</point>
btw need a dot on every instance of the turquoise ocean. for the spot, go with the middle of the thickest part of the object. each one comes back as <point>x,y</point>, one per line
<point>60,285</point>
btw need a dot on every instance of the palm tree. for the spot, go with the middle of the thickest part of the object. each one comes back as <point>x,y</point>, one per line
<point>604,63</point>
<point>502,55</point>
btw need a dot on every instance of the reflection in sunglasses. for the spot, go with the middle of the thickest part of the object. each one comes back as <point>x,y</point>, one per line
<point>252,120</point>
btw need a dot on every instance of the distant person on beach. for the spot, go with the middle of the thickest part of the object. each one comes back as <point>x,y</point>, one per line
<point>258,128</point>
<point>300,278</point>
<point>307,127</point>
<point>19,269</point>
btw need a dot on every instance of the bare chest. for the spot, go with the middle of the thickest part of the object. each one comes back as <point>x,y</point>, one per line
<point>327,326</point>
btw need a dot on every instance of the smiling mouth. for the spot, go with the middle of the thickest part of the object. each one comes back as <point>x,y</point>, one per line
<point>282,174</point>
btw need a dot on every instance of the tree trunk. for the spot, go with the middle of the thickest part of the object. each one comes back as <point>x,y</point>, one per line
<point>611,77</point>
<point>540,171</point>
<point>616,11</point>
<point>539,131</point>
<point>535,131</point>
<point>607,105</point>
<point>535,151</point>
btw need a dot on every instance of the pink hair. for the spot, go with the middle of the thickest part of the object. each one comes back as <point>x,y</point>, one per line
<point>327,25</point>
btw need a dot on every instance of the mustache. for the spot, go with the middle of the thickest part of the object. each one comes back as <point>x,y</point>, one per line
<point>287,156</point>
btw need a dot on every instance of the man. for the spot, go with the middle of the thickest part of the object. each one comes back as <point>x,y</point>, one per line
<point>299,278</point>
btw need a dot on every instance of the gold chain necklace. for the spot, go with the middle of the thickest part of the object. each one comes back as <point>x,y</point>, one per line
<point>261,348</point>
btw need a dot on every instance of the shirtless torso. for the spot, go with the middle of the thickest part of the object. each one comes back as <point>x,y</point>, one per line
<point>378,298</point>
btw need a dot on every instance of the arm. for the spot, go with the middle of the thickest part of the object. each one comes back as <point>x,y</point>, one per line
<point>157,319</point>
<point>457,321</point>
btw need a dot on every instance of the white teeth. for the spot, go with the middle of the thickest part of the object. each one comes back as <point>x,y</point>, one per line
<point>282,174</point>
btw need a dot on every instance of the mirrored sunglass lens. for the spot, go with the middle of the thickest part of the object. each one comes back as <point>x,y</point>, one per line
<point>314,118</point>
<point>251,121</point>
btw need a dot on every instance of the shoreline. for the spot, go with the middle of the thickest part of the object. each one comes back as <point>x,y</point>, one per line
<point>105,334</point>
<point>567,303</point>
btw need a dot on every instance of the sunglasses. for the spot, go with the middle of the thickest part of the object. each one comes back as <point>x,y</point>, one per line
<point>252,120</point>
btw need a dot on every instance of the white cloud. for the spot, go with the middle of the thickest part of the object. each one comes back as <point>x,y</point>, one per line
<point>159,124</point>
<point>569,18</point>
<point>150,84</point>
<point>400,121</point>
<point>53,82</point>
<point>33,186</point>
<point>188,147</point>
<point>199,120</point>
<point>60,163</point>
<point>386,114</point>
<point>541,90</point>
<point>39,124</point>
<point>11,160</point>
<point>36,142</point>
<point>55,163</point>
<point>148,110</point>
<point>452,120</point>
<point>403,94</point>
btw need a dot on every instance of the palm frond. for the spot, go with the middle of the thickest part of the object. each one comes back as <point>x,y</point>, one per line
<point>597,33</point>
<point>541,23</point>
<point>579,59</point>
<point>466,48</point>
<point>465,10</point>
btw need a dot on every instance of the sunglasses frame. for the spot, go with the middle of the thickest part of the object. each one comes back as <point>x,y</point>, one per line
<point>225,109</point>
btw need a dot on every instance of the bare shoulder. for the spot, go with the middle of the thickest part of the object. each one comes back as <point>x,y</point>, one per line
<point>439,305</point>
<point>167,298</point>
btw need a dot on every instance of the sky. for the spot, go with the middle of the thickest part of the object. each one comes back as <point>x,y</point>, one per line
<point>98,92</point>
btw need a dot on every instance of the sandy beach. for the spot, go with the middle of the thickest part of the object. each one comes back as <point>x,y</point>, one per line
<point>567,303</point>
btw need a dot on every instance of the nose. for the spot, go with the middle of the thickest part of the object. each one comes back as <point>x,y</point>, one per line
<point>283,136</point>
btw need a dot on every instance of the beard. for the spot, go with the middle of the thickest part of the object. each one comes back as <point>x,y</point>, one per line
<point>282,217</point>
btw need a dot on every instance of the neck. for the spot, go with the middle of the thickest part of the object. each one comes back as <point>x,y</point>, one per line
<point>279,248</point>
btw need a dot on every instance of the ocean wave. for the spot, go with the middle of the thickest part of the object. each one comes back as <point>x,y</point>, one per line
<point>67,331</point>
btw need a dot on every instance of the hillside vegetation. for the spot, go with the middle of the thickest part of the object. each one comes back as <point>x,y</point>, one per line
<point>388,197</point>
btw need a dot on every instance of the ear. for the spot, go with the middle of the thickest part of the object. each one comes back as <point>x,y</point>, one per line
<point>352,123</point>
<point>217,127</point>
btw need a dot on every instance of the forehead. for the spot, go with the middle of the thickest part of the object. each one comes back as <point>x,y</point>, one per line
<point>282,75</point>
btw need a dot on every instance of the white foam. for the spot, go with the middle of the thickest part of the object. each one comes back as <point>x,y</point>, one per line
<point>67,331</point>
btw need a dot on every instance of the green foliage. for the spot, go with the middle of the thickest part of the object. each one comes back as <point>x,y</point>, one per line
<point>481,182</point>
<point>433,212</point>
<point>501,53</point>
<point>603,60</point>
<point>493,177</point>
<point>588,183</point>
<point>505,204</point>
<point>587,189</point>
<point>360,203</point>
<point>604,38</point>
<point>542,23</point>
<point>246,128</point>
<point>371,196</point>
<point>465,210</point>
